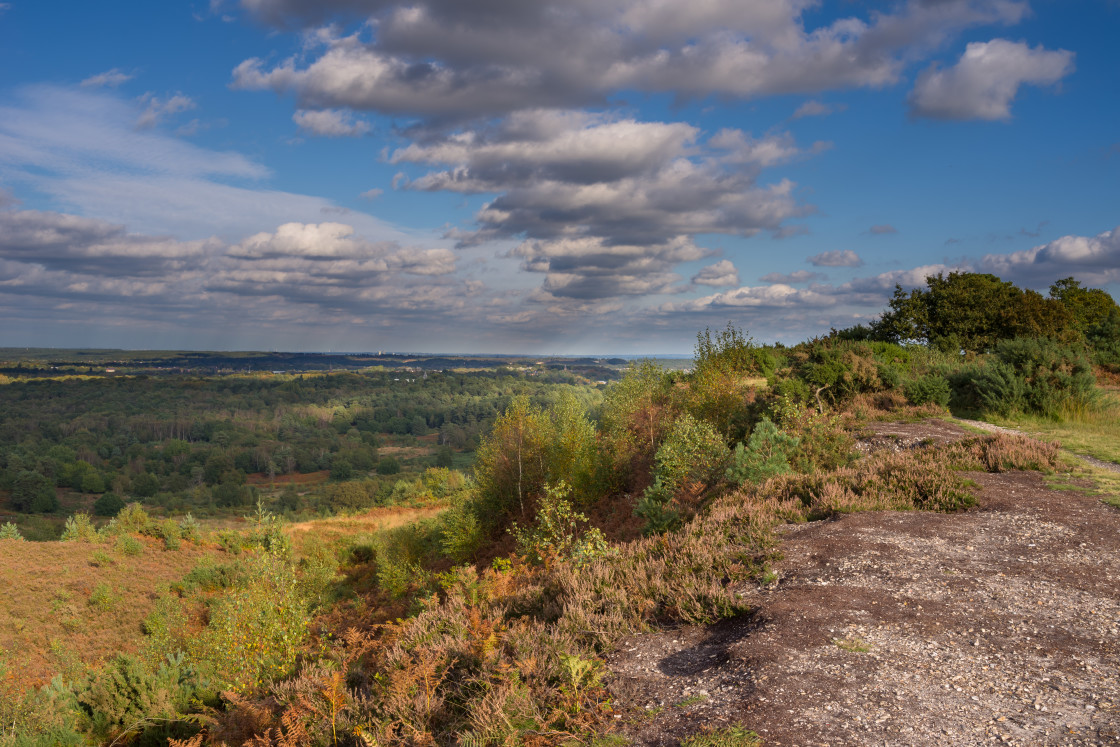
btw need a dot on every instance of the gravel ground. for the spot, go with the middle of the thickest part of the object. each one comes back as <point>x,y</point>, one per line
<point>994,626</point>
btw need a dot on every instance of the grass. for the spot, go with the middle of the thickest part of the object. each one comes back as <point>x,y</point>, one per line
<point>338,530</point>
<point>52,593</point>
<point>1092,430</point>
<point>1090,480</point>
<point>855,645</point>
<point>691,701</point>
<point>732,736</point>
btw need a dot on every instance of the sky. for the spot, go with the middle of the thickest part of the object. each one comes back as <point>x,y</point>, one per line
<point>554,176</point>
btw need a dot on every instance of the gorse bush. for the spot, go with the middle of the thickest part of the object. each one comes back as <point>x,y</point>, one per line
<point>1030,376</point>
<point>127,696</point>
<point>929,389</point>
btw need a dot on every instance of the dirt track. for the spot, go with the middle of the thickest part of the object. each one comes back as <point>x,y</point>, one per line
<point>995,626</point>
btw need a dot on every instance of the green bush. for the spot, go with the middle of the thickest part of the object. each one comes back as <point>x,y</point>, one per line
<point>929,389</point>
<point>692,452</point>
<point>461,533</point>
<point>102,597</point>
<point>558,533</point>
<point>189,529</point>
<point>9,531</point>
<point>127,696</point>
<point>129,545</point>
<point>1034,376</point>
<point>659,509</point>
<point>766,454</point>
<point>256,630</point>
<point>388,466</point>
<point>108,504</point>
<point>79,528</point>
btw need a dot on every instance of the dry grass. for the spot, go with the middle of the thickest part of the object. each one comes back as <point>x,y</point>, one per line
<point>338,529</point>
<point>46,614</point>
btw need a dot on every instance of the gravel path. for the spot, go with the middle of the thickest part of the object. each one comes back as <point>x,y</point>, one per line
<point>999,625</point>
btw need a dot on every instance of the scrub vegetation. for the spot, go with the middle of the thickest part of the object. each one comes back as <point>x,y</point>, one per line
<point>473,604</point>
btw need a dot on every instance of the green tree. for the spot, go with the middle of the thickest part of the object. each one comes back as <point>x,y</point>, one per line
<point>1087,306</point>
<point>33,493</point>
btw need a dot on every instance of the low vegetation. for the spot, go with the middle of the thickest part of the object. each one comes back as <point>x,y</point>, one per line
<point>442,607</point>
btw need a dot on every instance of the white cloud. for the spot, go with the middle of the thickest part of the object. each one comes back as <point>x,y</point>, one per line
<point>719,275</point>
<point>608,206</point>
<point>439,58</point>
<point>836,258</point>
<point>157,109</point>
<point>882,229</point>
<point>763,296</point>
<point>330,123</point>
<point>1092,259</point>
<point>984,82</point>
<point>372,194</point>
<point>109,78</point>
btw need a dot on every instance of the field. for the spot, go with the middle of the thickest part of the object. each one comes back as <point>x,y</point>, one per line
<point>67,605</point>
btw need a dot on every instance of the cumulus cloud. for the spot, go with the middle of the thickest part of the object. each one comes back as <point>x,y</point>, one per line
<point>324,269</point>
<point>762,296</point>
<point>721,274</point>
<point>794,278</point>
<point>984,82</point>
<point>836,258</point>
<point>109,78</point>
<point>330,123</point>
<point>440,58</point>
<point>1093,259</point>
<point>591,268</point>
<point>608,206</point>
<point>156,109</point>
<point>372,194</point>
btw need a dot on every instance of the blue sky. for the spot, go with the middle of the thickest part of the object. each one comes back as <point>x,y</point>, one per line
<point>563,176</point>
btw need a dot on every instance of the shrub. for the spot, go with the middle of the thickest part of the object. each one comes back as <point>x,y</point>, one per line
<point>766,454</point>
<point>692,452</point>
<point>129,545</point>
<point>9,531</point>
<point>557,533</point>
<point>929,389</point>
<point>79,528</point>
<point>127,696</point>
<point>461,534</point>
<point>102,597</point>
<point>657,507</point>
<point>388,466</point>
<point>255,630</point>
<point>109,504</point>
<point>189,529</point>
<point>1038,376</point>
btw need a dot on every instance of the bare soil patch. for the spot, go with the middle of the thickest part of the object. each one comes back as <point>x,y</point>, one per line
<point>998,625</point>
